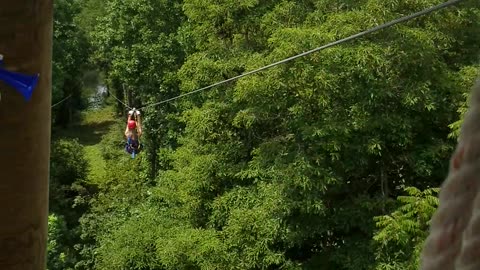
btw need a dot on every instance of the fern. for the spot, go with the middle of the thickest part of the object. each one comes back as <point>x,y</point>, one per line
<point>401,234</point>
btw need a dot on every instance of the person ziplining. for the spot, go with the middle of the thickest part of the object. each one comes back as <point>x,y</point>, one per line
<point>133,129</point>
<point>133,132</point>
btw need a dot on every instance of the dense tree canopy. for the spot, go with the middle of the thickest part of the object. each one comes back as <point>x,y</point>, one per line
<point>331,161</point>
<point>70,57</point>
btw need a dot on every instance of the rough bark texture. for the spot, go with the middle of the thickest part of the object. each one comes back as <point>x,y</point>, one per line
<point>453,243</point>
<point>26,43</point>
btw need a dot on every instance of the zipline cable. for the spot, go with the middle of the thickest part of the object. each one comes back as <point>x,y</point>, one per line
<point>61,101</point>
<point>355,36</point>
<point>119,100</point>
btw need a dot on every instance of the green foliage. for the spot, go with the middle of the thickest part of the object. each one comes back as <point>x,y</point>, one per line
<point>401,234</point>
<point>333,135</point>
<point>70,54</point>
<point>68,188</point>
<point>285,169</point>
<point>56,257</point>
<point>68,173</point>
<point>136,45</point>
<point>120,189</point>
<point>88,16</point>
<point>466,79</point>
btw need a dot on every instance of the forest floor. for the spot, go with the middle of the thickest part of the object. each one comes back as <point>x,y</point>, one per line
<point>89,130</point>
<point>96,123</point>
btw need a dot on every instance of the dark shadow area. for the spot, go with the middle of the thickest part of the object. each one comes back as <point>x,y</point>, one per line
<point>87,134</point>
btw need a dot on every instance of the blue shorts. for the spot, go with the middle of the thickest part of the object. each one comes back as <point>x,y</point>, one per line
<point>132,146</point>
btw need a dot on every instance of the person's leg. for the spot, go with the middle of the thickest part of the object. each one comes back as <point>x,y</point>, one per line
<point>134,144</point>
<point>128,145</point>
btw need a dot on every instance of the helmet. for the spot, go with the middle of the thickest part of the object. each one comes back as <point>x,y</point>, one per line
<point>131,124</point>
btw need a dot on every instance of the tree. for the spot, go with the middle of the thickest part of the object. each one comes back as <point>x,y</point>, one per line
<point>467,76</point>
<point>285,169</point>
<point>402,233</point>
<point>68,189</point>
<point>318,146</point>
<point>137,47</point>
<point>70,55</point>
<point>57,250</point>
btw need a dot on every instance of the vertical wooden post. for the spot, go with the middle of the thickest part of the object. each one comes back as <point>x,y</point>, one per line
<point>26,43</point>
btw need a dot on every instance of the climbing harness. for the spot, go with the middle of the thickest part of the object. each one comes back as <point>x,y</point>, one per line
<point>133,147</point>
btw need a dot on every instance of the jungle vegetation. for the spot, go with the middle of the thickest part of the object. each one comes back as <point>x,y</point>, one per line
<point>331,161</point>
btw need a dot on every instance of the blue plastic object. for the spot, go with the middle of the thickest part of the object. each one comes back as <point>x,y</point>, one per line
<point>24,84</point>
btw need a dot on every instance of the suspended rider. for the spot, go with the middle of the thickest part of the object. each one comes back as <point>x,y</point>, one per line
<point>133,132</point>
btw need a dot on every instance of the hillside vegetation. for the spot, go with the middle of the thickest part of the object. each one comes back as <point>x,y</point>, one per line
<point>331,161</point>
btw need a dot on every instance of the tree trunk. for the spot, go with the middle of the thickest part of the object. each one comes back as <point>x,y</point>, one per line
<point>26,43</point>
<point>385,188</point>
